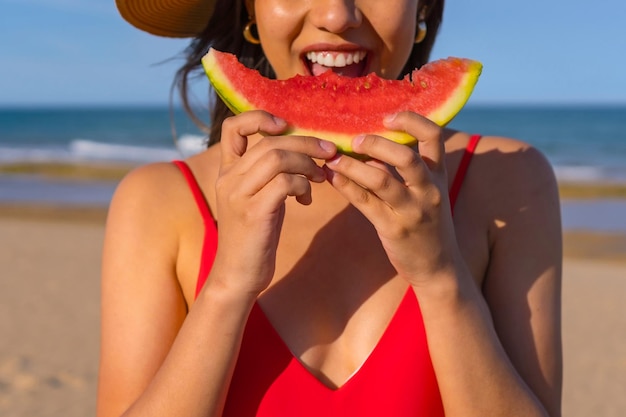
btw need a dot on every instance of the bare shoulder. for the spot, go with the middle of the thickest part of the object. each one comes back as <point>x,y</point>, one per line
<point>147,211</point>
<point>146,179</point>
<point>513,169</point>
<point>148,191</point>
<point>160,189</point>
<point>504,152</point>
<point>510,191</point>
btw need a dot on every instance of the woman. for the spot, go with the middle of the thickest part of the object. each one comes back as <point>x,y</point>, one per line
<point>364,294</point>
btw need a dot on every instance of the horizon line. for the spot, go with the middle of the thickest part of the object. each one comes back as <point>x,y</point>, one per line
<point>130,105</point>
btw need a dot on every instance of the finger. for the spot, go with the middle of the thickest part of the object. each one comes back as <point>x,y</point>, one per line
<point>236,129</point>
<point>306,145</point>
<point>375,177</point>
<point>363,199</point>
<point>410,166</point>
<point>279,161</point>
<point>291,154</point>
<point>427,133</point>
<point>282,186</point>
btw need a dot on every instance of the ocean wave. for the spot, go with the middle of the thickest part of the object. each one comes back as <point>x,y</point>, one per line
<point>85,150</point>
<point>590,174</point>
<point>579,173</point>
<point>191,144</point>
<point>89,150</point>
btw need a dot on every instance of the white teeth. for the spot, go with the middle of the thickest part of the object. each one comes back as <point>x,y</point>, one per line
<point>338,59</point>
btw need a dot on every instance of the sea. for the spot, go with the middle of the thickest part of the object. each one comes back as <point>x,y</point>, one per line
<point>582,142</point>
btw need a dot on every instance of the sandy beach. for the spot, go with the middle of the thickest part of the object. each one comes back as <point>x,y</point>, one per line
<point>49,314</point>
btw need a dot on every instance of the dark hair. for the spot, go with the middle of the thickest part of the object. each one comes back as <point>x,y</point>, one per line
<point>224,32</point>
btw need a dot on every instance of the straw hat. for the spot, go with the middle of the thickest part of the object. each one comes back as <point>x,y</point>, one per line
<point>171,18</point>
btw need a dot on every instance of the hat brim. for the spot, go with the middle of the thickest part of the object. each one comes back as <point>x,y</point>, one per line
<point>169,18</point>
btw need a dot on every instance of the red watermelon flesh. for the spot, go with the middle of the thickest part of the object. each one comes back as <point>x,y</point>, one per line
<point>337,108</point>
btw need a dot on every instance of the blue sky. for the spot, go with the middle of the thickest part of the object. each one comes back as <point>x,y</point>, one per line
<point>64,52</point>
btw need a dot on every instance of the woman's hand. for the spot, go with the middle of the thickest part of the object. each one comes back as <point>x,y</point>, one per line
<point>252,186</point>
<point>404,194</point>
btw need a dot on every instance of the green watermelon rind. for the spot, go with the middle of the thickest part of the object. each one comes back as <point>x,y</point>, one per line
<point>459,96</point>
<point>442,115</point>
<point>220,82</point>
<point>344,141</point>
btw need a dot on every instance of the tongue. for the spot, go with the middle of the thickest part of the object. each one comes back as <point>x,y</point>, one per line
<point>353,71</point>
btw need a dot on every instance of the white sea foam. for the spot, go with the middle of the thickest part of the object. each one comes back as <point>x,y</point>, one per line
<point>90,150</point>
<point>32,154</point>
<point>191,144</point>
<point>590,174</point>
<point>579,173</point>
<point>81,150</point>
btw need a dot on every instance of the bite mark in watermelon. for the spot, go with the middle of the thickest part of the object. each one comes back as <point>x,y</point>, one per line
<point>337,108</point>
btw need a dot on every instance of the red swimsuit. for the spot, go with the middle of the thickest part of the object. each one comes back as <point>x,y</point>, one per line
<point>397,379</point>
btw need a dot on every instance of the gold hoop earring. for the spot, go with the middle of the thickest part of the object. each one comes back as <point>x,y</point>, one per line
<point>247,32</point>
<point>421,31</point>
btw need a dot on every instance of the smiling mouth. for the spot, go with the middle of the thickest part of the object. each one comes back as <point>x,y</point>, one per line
<point>350,64</point>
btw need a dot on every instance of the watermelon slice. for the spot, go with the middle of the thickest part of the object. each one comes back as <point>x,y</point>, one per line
<point>337,108</point>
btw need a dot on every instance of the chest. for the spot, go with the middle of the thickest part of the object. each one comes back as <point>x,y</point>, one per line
<point>335,294</point>
<point>397,377</point>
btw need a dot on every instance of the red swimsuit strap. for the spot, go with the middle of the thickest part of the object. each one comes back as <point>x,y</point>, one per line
<point>209,246</point>
<point>198,195</point>
<point>463,166</point>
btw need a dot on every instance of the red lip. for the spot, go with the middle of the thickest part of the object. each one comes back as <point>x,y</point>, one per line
<point>344,47</point>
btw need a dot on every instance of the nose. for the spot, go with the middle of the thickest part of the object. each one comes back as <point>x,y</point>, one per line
<point>335,16</point>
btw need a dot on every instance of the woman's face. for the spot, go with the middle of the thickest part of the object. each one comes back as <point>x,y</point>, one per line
<point>351,37</point>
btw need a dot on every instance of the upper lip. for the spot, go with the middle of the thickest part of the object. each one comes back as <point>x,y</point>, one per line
<point>344,47</point>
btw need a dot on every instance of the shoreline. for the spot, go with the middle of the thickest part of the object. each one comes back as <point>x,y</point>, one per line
<point>80,193</point>
<point>598,245</point>
<point>113,172</point>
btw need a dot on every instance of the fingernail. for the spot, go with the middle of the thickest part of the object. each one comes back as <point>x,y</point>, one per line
<point>279,121</point>
<point>389,118</point>
<point>357,140</point>
<point>333,161</point>
<point>327,146</point>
